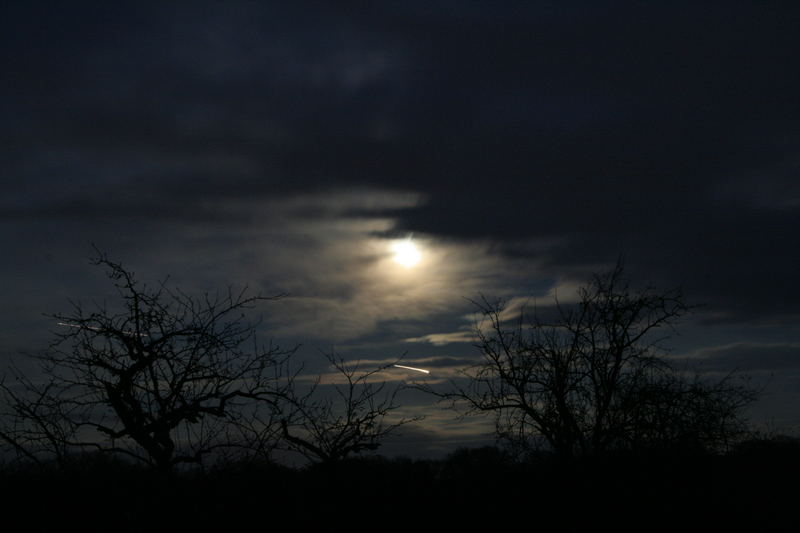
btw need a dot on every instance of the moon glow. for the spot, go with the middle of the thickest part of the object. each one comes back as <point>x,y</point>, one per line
<point>406,253</point>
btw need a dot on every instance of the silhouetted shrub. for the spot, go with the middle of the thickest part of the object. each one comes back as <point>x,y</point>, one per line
<point>592,378</point>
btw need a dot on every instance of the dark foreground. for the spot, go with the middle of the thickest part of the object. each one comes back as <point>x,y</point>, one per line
<point>756,488</point>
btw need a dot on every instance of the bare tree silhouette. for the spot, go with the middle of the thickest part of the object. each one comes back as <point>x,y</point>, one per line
<point>158,379</point>
<point>593,378</point>
<point>353,417</point>
<point>30,423</point>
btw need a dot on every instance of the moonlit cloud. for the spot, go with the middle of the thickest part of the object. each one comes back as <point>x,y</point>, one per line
<point>443,339</point>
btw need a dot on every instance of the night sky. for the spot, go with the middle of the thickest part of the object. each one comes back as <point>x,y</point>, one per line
<point>288,146</point>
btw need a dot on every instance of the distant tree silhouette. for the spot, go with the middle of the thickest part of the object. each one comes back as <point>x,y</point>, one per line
<point>593,378</point>
<point>30,424</point>
<point>351,418</point>
<point>159,378</point>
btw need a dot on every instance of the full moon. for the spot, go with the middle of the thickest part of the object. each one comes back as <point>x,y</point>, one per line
<point>406,253</point>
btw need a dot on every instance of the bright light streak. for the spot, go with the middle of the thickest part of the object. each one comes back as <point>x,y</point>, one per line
<point>412,368</point>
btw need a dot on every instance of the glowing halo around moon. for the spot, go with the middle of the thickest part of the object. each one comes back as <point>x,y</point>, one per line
<point>406,253</point>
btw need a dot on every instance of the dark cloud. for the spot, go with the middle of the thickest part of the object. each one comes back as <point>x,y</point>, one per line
<point>750,357</point>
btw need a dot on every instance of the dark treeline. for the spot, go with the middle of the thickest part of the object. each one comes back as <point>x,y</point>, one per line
<point>750,486</point>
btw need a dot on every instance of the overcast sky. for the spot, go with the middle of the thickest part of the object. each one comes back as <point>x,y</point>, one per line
<point>522,146</point>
